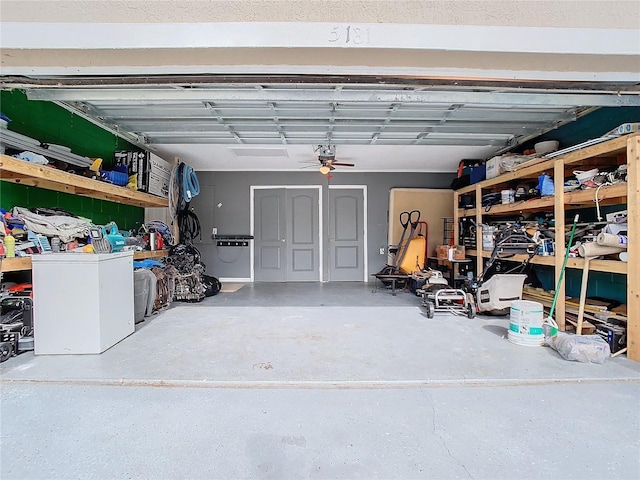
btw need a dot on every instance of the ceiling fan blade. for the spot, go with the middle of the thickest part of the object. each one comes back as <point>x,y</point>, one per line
<point>344,164</point>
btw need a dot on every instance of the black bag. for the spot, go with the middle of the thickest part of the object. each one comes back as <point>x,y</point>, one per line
<point>460,182</point>
<point>212,285</point>
<point>415,284</point>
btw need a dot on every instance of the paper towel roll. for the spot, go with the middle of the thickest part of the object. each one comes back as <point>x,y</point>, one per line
<point>611,240</point>
<point>592,249</point>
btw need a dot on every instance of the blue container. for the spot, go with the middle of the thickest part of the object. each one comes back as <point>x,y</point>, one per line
<point>117,178</point>
<point>478,173</point>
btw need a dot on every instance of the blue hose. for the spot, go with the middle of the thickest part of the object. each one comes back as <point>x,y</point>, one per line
<point>190,184</point>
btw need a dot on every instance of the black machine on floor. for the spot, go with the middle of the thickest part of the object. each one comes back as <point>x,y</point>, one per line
<point>16,325</point>
<point>437,296</point>
<point>495,294</point>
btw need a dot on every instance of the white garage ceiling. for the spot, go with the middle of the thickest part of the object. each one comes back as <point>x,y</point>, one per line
<point>391,125</point>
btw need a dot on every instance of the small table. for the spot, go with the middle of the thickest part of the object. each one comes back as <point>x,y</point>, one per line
<point>453,269</point>
<point>393,278</point>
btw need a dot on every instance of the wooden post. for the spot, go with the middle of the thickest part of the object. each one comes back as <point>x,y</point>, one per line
<point>583,294</point>
<point>633,273</point>
<point>174,225</point>
<point>480,258</point>
<point>456,218</point>
<point>558,180</point>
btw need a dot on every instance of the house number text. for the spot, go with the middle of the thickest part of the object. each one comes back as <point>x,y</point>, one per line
<point>350,35</point>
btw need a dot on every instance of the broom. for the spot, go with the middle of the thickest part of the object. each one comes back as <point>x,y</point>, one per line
<point>549,320</point>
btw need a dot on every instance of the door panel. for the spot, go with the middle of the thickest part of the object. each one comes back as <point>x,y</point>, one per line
<point>346,257</point>
<point>269,236</point>
<point>346,235</point>
<point>303,243</point>
<point>286,243</point>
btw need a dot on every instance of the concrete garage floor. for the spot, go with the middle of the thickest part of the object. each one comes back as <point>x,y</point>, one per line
<point>318,381</point>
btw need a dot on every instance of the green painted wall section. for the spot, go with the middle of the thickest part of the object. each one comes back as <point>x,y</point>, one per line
<point>611,286</point>
<point>590,126</point>
<point>50,123</point>
<point>99,212</point>
<point>606,285</point>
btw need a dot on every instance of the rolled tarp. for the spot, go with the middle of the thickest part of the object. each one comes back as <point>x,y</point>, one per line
<point>611,240</point>
<point>593,249</point>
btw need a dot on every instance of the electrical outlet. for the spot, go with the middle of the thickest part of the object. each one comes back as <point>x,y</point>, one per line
<point>381,250</point>
<point>214,231</point>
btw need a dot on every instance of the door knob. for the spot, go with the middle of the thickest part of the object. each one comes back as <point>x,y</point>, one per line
<point>282,240</point>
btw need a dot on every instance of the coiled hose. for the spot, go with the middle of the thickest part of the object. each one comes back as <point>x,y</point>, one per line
<point>184,186</point>
<point>190,185</point>
<point>189,225</point>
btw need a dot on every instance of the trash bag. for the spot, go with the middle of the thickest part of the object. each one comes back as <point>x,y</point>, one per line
<point>580,348</point>
<point>211,284</point>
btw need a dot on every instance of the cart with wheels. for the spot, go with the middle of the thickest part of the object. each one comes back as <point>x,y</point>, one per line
<point>450,300</point>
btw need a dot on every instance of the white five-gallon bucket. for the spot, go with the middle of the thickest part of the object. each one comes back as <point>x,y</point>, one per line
<point>525,323</point>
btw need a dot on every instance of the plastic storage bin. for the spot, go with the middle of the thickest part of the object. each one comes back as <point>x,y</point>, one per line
<point>140,294</point>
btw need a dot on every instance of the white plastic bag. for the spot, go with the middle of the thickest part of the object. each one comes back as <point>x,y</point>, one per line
<point>580,348</point>
<point>32,157</point>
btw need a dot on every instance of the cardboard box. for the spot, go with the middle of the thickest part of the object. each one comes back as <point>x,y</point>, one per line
<point>445,252</point>
<point>442,252</point>
<point>158,166</point>
<point>157,175</point>
<point>494,167</point>
<point>134,161</point>
<point>158,185</point>
<point>153,172</point>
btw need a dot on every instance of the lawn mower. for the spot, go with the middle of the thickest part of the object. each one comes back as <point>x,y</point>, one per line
<point>494,295</point>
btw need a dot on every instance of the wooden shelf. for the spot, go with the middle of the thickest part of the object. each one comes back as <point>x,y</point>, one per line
<point>616,193</point>
<point>617,146</point>
<point>42,176</point>
<point>150,254</point>
<point>609,153</point>
<point>544,203</point>
<point>609,266</point>
<point>24,263</point>
<point>15,264</point>
<point>577,199</point>
<point>466,212</point>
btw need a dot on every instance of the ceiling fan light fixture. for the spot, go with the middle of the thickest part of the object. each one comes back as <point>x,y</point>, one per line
<point>324,169</point>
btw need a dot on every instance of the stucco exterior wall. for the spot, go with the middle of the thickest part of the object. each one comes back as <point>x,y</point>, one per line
<point>624,14</point>
<point>525,40</point>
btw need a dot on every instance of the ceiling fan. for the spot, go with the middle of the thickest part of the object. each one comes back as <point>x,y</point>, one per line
<point>327,158</point>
